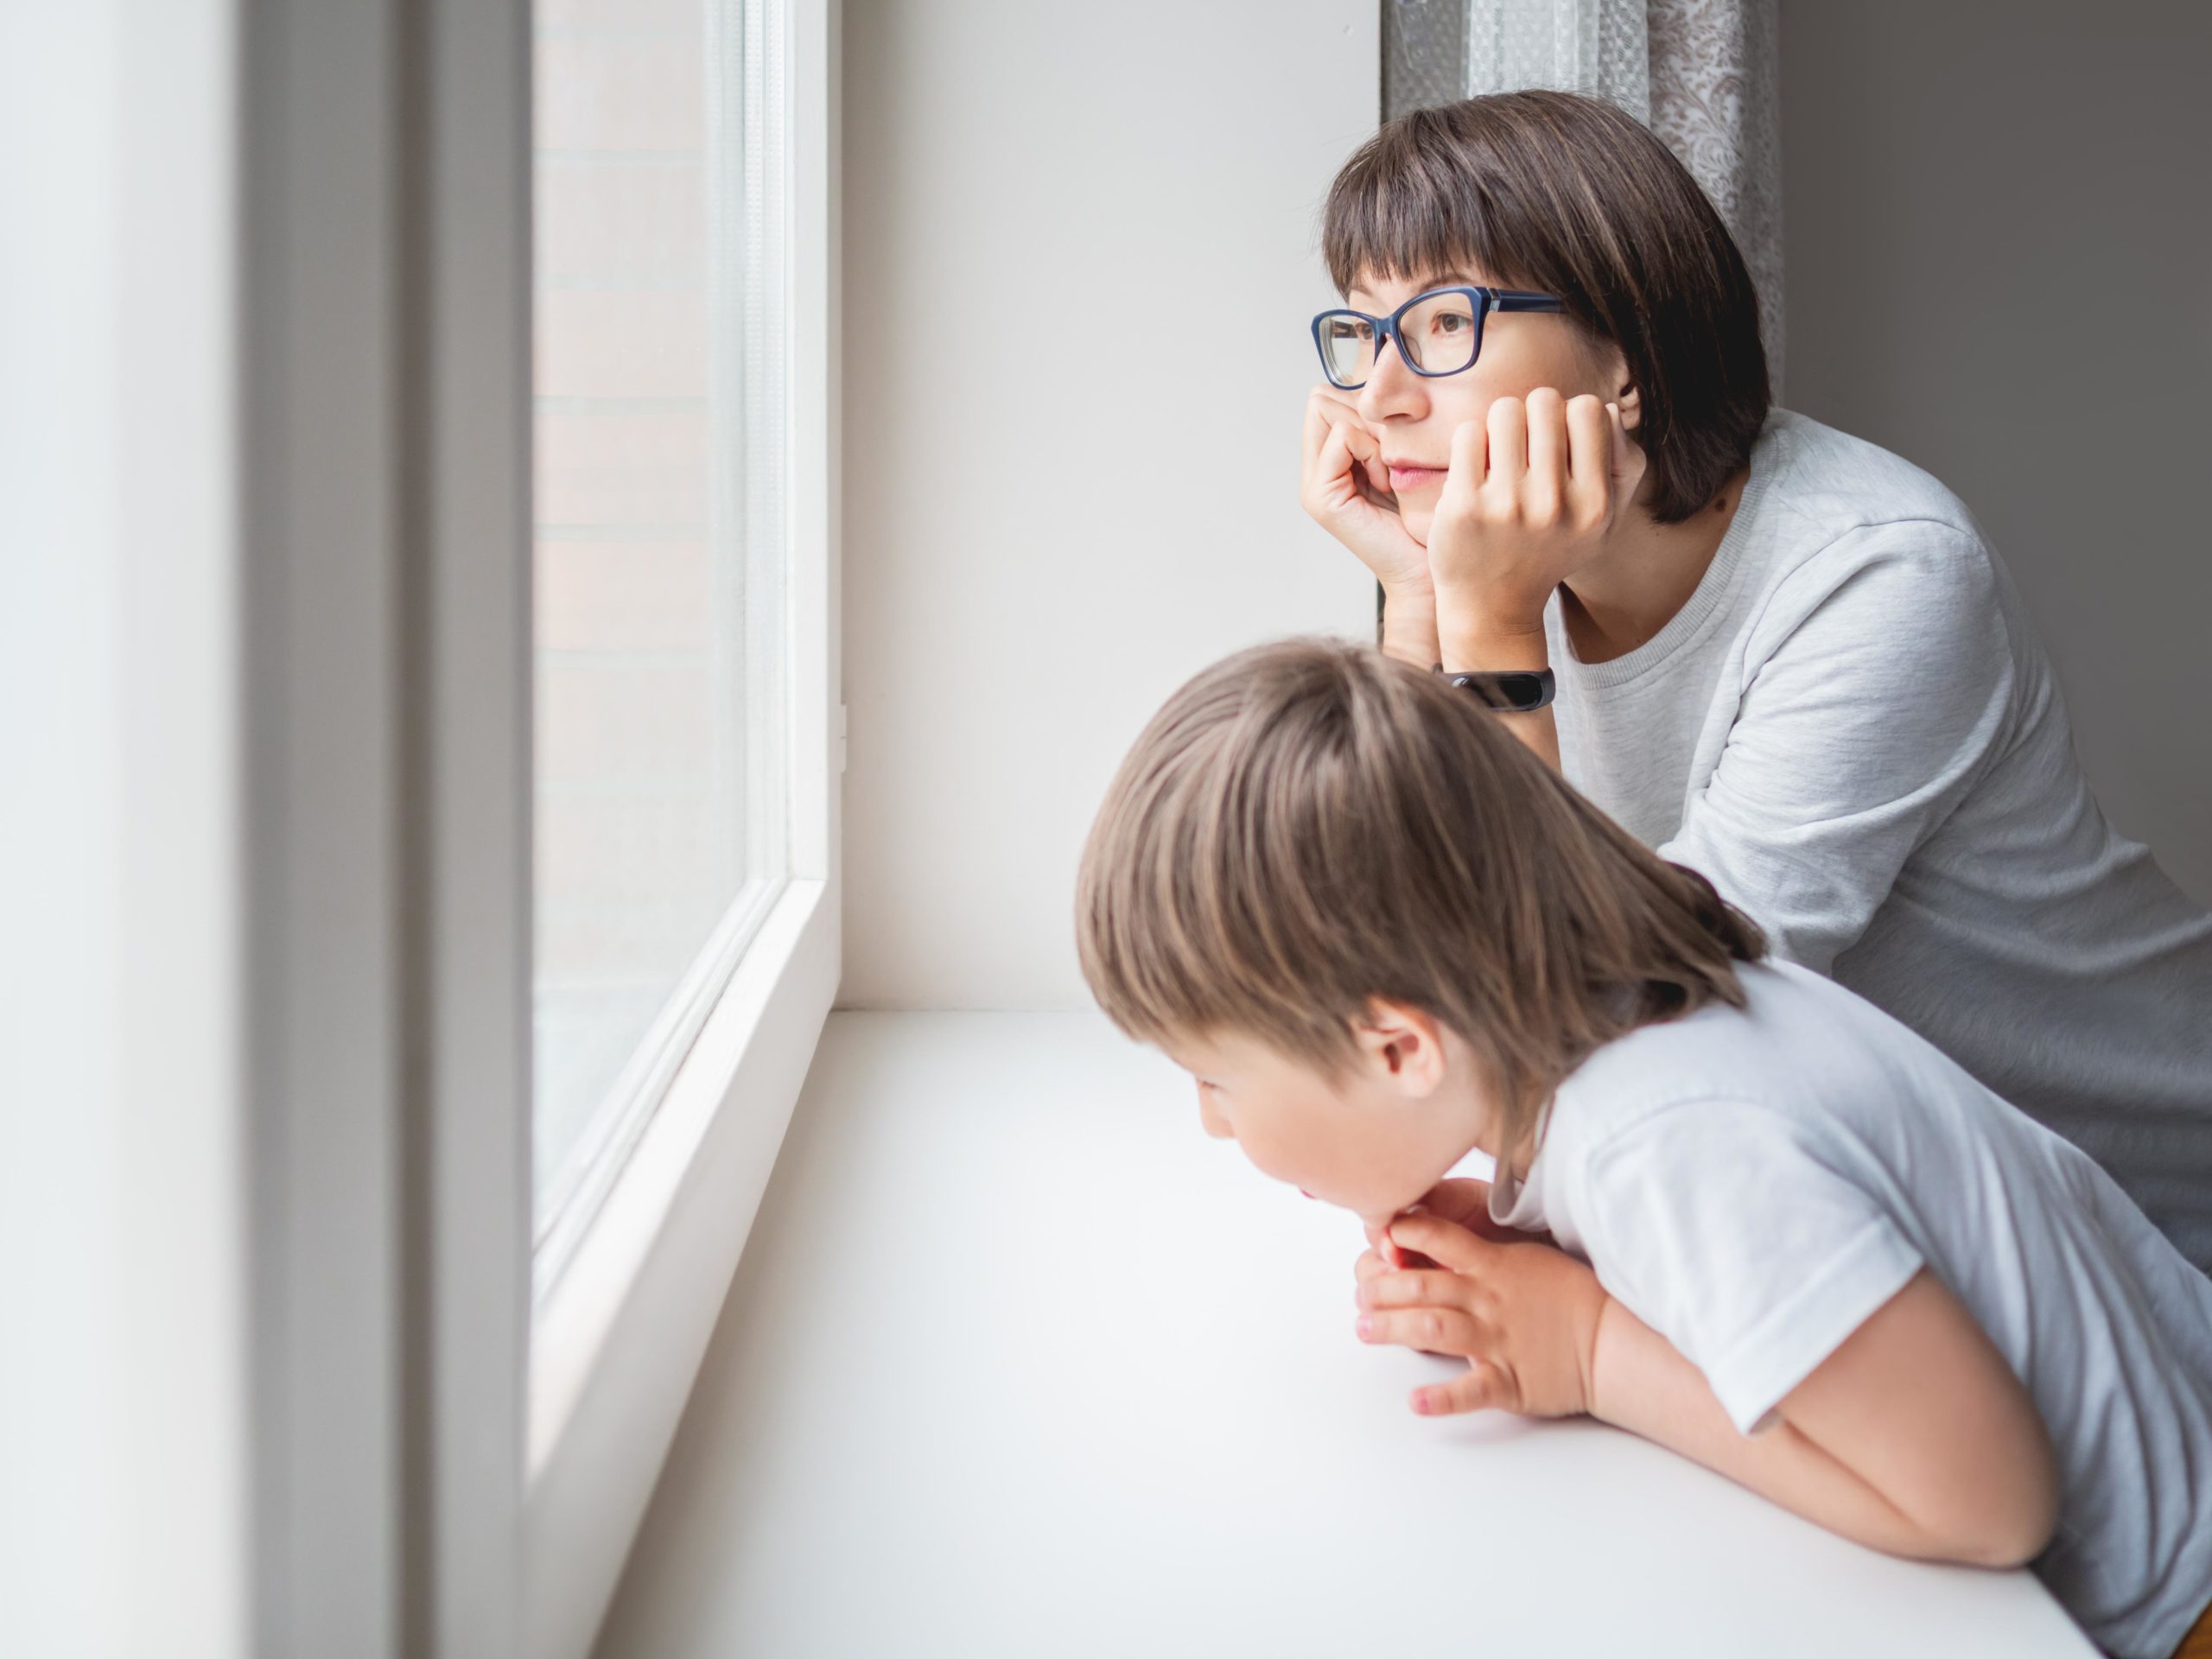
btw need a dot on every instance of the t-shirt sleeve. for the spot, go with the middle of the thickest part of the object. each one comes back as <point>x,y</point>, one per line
<point>1720,1224</point>
<point>1882,680</point>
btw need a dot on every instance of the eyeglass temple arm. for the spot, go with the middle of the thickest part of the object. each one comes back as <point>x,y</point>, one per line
<point>1515,299</point>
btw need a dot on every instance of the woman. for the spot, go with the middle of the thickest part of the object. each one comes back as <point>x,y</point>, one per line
<point>1782,656</point>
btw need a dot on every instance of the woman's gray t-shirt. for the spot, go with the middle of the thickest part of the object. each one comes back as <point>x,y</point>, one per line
<point>1851,730</point>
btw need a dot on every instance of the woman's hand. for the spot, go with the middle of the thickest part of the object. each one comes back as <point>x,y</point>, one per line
<point>1346,489</point>
<point>1524,1316</point>
<point>1532,493</point>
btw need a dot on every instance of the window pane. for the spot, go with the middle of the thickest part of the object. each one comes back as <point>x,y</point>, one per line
<point>658,700</point>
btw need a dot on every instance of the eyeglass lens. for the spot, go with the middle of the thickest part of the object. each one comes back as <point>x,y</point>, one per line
<point>1438,336</point>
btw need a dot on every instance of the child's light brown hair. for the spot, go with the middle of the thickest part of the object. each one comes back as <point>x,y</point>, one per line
<point>1569,195</point>
<point>1309,823</point>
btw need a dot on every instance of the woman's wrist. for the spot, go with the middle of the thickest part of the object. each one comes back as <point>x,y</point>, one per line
<point>1409,624</point>
<point>1478,631</point>
<point>1462,646</point>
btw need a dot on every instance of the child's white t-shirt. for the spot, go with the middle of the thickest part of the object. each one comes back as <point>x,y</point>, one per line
<point>1754,1183</point>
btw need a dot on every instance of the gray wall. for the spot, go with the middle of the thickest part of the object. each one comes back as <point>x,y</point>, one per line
<point>1999,265</point>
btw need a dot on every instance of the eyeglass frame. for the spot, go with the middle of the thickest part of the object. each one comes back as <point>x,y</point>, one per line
<point>1386,328</point>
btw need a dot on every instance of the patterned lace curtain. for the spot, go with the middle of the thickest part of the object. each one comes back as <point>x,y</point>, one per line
<point>1703,74</point>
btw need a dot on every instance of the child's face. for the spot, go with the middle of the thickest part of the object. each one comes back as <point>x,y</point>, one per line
<point>1373,1142</point>
<point>1415,416</point>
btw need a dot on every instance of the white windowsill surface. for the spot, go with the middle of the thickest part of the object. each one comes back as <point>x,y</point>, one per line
<point>1018,1361</point>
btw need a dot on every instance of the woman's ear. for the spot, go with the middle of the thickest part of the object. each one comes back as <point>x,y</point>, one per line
<point>1630,402</point>
<point>1613,371</point>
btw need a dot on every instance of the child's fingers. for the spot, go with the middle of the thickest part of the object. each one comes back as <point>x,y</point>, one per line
<point>1449,1244</point>
<point>1483,1388</point>
<point>1449,1331</point>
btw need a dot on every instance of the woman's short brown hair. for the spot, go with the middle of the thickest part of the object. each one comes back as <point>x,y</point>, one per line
<point>1311,823</point>
<point>1571,196</point>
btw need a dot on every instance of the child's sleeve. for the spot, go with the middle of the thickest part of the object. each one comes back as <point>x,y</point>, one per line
<point>1719,1225</point>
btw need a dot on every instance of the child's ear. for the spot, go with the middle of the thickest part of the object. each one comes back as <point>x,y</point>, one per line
<point>1403,1046</point>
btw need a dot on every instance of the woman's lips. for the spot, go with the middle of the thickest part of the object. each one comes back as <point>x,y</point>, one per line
<point>1413,478</point>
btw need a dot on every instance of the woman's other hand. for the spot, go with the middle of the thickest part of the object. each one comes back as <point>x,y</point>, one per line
<point>1346,489</point>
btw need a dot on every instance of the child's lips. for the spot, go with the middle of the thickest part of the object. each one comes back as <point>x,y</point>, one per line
<point>1307,1194</point>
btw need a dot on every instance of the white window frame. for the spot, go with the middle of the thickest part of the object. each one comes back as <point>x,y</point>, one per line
<point>421,1474</point>
<point>620,1332</point>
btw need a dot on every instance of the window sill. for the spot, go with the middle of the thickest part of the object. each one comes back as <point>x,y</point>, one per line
<point>1020,1361</point>
<point>616,1340</point>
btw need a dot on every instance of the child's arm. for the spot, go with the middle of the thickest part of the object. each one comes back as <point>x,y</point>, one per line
<point>1913,1437</point>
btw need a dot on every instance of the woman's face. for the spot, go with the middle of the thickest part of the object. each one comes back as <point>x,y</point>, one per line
<point>1414,415</point>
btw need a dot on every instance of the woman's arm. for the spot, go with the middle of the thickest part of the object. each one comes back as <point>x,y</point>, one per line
<point>1534,490</point>
<point>1913,1437</point>
<point>1463,643</point>
<point>1415,630</point>
<point>1408,630</point>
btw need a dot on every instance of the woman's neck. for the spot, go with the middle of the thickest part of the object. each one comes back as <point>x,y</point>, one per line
<point>1622,599</point>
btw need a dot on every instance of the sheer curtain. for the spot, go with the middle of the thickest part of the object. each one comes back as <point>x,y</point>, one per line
<point>1703,74</point>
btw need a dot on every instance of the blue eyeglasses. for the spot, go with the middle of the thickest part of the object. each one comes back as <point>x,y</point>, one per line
<point>1439,332</point>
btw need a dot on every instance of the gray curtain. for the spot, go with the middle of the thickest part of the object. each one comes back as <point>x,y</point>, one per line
<point>1703,74</point>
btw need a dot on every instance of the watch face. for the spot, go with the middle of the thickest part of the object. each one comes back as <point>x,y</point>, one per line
<point>1518,690</point>
<point>1511,690</point>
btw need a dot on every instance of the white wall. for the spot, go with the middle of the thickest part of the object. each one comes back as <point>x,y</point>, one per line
<point>1999,265</point>
<point>124,1524</point>
<point>1081,254</point>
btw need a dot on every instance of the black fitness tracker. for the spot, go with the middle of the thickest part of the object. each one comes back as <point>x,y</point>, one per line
<point>1513,691</point>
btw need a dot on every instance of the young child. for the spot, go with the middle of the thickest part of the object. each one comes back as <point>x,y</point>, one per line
<point>1795,1241</point>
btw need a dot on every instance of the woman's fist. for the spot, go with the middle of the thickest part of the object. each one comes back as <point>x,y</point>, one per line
<point>1533,493</point>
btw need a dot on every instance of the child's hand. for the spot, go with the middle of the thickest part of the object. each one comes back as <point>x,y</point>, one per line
<point>1459,1200</point>
<point>1524,1316</point>
<point>1345,489</point>
<point>1532,494</point>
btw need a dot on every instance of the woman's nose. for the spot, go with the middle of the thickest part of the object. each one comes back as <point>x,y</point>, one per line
<point>1392,386</point>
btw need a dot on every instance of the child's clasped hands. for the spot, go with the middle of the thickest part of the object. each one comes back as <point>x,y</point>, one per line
<point>1522,1313</point>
